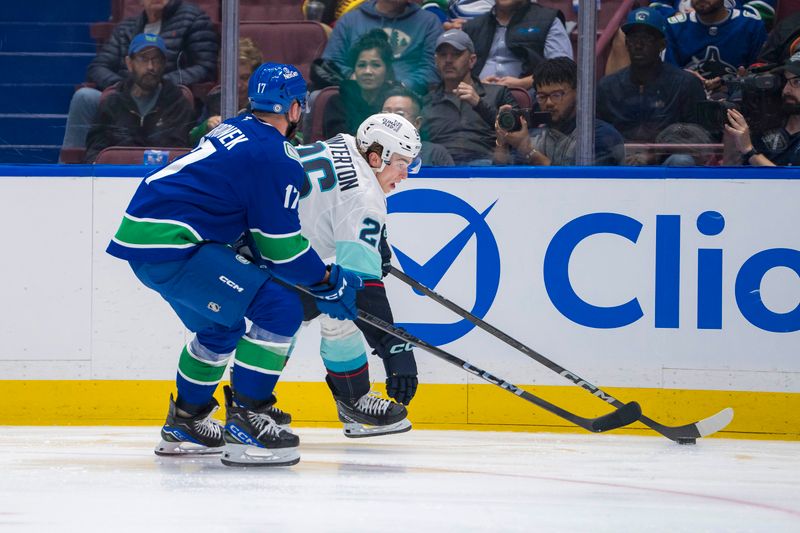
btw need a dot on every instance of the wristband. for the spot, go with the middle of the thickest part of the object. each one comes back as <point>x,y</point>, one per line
<point>747,155</point>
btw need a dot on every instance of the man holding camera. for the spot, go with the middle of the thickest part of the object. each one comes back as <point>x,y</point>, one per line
<point>779,147</point>
<point>555,81</point>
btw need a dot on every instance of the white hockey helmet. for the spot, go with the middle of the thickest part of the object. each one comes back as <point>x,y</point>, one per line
<point>395,134</point>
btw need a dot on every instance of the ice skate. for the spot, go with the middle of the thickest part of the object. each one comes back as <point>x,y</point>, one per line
<point>282,418</point>
<point>254,438</point>
<point>191,435</point>
<point>370,415</point>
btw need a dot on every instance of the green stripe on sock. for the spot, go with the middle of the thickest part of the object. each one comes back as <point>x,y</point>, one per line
<point>197,370</point>
<point>272,358</point>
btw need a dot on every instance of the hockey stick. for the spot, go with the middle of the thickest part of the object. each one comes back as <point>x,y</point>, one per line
<point>625,413</point>
<point>687,434</point>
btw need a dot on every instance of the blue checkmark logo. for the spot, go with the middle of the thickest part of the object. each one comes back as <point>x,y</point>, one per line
<point>487,269</point>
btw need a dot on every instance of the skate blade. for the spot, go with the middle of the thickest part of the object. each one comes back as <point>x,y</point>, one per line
<point>184,449</point>
<point>246,455</point>
<point>355,430</point>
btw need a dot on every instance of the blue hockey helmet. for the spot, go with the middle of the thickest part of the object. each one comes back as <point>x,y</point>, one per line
<point>274,86</point>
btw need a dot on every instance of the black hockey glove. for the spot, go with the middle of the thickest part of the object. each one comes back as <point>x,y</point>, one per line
<point>401,369</point>
<point>386,254</point>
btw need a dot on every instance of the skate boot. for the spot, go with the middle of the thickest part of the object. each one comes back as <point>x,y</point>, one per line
<point>191,435</point>
<point>253,438</point>
<point>370,415</point>
<point>282,418</point>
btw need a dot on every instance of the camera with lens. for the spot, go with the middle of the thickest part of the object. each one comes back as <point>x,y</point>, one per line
<point>510,119</point>
<point>756,95</point>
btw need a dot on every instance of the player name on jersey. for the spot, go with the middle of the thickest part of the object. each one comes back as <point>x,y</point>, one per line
<point>343,163</point>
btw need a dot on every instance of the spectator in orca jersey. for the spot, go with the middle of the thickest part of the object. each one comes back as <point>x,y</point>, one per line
<point>714,41</point>
<point>192,49</point>
<point>147,109</point>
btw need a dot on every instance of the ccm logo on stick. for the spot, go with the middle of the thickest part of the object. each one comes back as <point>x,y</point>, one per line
<point>746,289</point>
<point>231,284</point>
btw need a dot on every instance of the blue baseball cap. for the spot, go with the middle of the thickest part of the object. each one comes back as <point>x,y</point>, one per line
<point>646,17</point>
<point>146,40</point>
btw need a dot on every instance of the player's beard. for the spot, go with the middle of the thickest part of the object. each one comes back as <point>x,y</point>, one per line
<point>291,129</point>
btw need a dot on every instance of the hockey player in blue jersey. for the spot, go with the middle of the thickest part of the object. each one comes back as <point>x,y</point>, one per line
<point>242,181</point>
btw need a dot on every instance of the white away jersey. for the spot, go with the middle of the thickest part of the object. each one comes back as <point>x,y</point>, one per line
<point>342,206</point>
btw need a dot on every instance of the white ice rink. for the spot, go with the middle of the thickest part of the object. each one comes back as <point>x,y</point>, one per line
<point>55,479</point>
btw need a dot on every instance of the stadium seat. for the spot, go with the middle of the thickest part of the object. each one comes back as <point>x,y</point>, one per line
<point>786,8</point>
<point>298,43</point>
<point>134,155</point>
<point>522,97</point>
<point>274,10</point>
<point>318,113</point>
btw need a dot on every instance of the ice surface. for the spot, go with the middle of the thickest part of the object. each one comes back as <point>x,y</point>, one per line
<point>93,479</point>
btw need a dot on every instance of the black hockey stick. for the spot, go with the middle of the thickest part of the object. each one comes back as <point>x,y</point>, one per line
<point>625,413</point>
<point>682,434</point>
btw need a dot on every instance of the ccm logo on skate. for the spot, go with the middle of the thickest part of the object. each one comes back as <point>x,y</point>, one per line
<point>231,284</point>
<point>241,435</point>
<point>709,262</point>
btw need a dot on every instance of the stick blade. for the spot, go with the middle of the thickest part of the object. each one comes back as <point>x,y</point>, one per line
<point>627,414</point>
<point>715,423</point>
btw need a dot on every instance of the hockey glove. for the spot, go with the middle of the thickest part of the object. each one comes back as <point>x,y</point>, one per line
<point>337,296</point>
<point>401,370</point>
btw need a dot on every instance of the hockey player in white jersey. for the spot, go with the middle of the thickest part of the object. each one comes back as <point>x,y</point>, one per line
<point>343,215</point>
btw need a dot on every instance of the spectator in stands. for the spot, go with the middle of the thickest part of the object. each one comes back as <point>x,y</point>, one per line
<point>412,35</point>
<point>147,109</point>
<point>714,40</point>
<point>191,57</point>
<point>765,9</point>
<point>335,9</point>
<point>680,133</point>
<point>361,97</point>
<point>250,57</point>
<point>460,112</point>
<point>783,41</point>
<point>513,38</point>
<point>777,147</point>
<point>461,11</point>
<point>649,95</point>
<point>556,82</point>
<point>407,104</point>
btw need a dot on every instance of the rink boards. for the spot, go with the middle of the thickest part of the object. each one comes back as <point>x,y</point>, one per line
<point>677,288</point>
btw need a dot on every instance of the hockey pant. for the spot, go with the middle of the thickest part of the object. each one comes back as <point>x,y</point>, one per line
<point>212,292</point>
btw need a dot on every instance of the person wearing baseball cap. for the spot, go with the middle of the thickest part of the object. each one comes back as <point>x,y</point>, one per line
<point>144,41</point>
<point>460,112</point>
<point>649,95</point>
<point>146,109</point>
<point>779,147</point>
